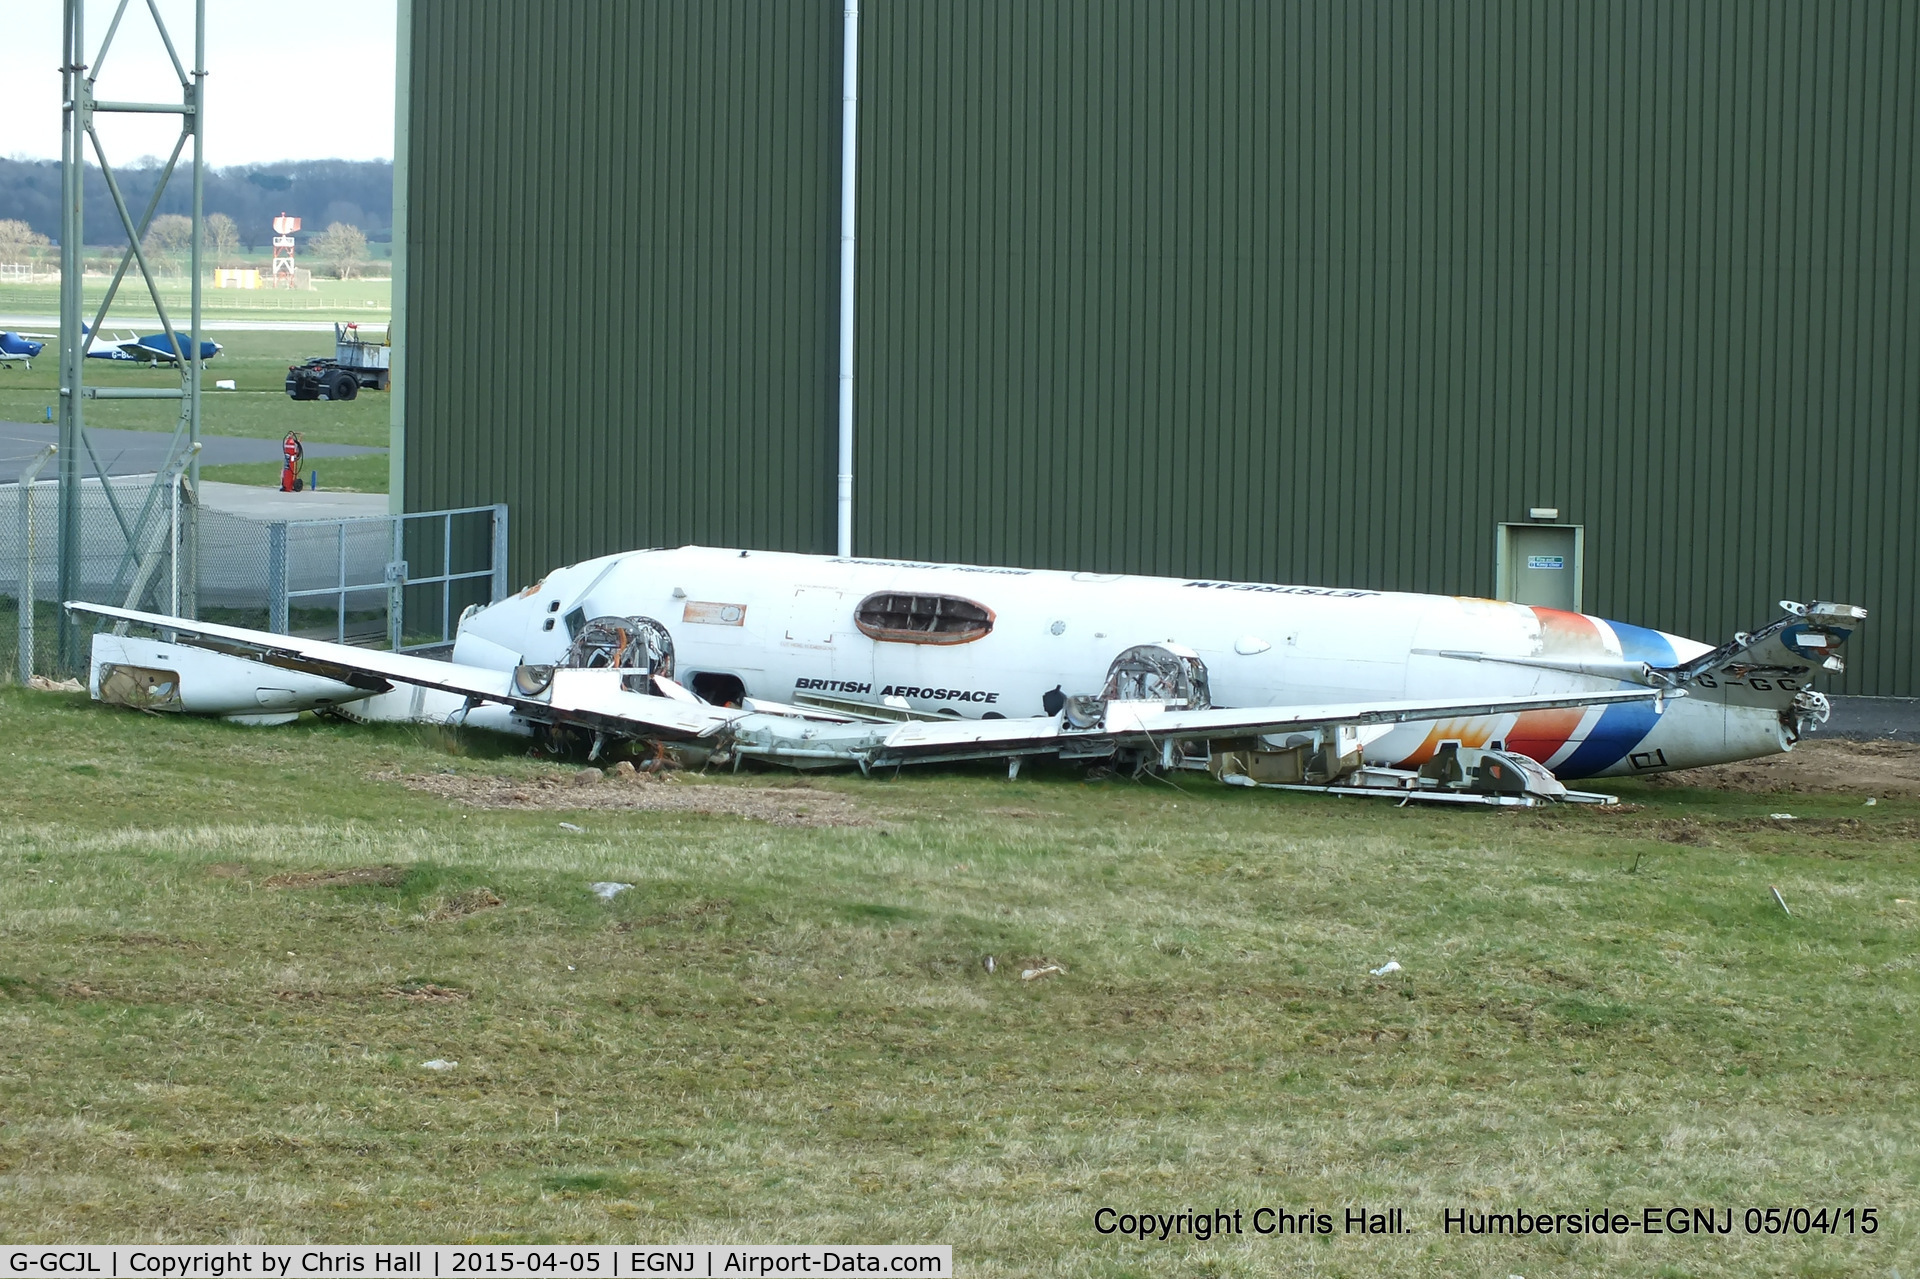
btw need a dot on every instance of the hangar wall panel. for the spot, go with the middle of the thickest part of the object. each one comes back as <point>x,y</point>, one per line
<point>1307,292</point>
<point>621,271</point>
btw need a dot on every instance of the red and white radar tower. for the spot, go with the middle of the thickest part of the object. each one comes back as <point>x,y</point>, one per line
<point>283,229</point>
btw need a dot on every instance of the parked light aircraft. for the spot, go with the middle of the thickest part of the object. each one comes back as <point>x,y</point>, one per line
<point>151,349</point>
<point>816,661</point>
<point>154,348</point>
<point>20,347</point>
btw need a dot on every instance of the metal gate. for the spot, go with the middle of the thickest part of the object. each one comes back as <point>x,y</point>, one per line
<point>402,580</point>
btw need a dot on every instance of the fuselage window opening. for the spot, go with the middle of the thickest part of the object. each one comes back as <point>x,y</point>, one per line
<point>901,617</point>
<point>718,689</point>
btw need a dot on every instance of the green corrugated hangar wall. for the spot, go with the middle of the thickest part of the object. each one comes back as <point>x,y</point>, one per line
<point>1297,292</point>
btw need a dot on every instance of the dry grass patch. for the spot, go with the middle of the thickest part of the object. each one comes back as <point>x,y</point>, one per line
<point>460,905</point>
<point>427,993</point>
<point>144,941</point>
<point>353,877</point>
<point>789,1031</point>
<point>645,792</point>
<point>698,910</point>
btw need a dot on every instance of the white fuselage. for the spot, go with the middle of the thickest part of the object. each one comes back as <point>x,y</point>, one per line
<point>783,625</point>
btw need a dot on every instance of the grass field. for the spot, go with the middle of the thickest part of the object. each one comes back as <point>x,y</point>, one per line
<point>363,473</point>
<point>369,301</point>
<point>259,407</point>
<point>787,1032</point>
<point>256,361</point>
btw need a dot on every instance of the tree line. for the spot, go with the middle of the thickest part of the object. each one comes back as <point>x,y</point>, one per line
<point>352,193</point>
<point>168,246</point>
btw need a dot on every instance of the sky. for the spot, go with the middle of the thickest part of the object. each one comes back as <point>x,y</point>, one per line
<point>290,80</point>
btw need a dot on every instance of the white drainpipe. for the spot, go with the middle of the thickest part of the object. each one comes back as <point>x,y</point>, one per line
<point>849,113</point>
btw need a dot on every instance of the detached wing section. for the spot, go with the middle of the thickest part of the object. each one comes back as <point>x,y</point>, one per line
<point>1148,726</point>
<point>603,700</point>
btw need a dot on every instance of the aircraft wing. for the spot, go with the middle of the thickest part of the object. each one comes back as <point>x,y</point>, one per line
<point>153,348</point>
<point>1135,725</point>
<point>602,700</point>
<point>633,704</point>
<point>156,347</point>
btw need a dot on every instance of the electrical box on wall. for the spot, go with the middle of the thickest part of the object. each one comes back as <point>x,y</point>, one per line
<point>1542,564</point>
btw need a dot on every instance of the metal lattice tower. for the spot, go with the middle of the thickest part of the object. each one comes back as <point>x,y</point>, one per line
<point>283,260</point>
<point>80,105</point>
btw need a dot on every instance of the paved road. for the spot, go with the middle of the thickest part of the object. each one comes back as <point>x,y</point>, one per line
<point>142,452</point>
<point>257,502</point>
<point>234,545</point>
<point>1875,717</point>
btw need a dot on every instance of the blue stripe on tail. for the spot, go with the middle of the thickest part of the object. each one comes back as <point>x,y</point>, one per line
<point>1622,727</point>
<point>1638,644</point>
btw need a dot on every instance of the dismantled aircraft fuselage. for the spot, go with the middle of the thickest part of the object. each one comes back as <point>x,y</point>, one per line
<point>974,642</point>
<point>812,660</point>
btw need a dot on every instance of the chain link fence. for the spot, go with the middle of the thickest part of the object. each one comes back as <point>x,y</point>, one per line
<point>386,581</point>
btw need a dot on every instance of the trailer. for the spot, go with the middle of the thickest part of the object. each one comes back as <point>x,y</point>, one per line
<point>355,363</point>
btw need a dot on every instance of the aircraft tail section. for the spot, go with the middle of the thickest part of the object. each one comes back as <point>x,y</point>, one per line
<point>1774,667</point>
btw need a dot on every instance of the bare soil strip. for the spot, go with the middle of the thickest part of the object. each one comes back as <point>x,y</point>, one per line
<point>1819,766</point>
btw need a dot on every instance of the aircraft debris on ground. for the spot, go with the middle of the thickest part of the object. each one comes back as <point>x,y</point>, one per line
<point>728,656</point>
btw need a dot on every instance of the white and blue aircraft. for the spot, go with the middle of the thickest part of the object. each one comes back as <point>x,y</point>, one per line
<point>153,349</point>
<point>816,661</point>
<point>20,348</point>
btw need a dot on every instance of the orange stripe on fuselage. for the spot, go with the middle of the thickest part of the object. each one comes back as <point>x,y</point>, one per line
<point>1536,734</point>
<point>1468,732</point>
<point>1540,734</point>
<point>1564,634</point>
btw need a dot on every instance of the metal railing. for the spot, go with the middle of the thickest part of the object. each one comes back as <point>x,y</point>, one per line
<point>356,596</point>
